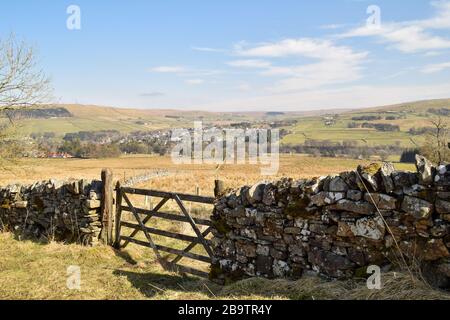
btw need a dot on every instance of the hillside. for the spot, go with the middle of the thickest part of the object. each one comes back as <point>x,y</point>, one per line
<point>36,113</point>
<point>384,125</point>
<point>416,106</point>
<point>357,125</point>
<point>94,118</point>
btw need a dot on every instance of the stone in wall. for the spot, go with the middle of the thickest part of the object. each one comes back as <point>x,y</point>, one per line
<point>335,226</point>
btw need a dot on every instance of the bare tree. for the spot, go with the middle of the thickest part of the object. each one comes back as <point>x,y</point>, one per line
<point>436,146</point>
<point>440,137</point>
<point>22,83</point>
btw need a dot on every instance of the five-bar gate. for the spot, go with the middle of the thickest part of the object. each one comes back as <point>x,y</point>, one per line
<point>123,203</point>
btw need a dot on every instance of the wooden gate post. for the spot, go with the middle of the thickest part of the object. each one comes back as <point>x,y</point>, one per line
<point>118,217</point>
<point>219,187</point>
<point>107,206</point>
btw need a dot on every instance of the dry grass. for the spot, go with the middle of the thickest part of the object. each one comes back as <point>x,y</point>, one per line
<point>395,286</point>
<point>30,270</point>
<point>33,271</point>
<point>183,178</point>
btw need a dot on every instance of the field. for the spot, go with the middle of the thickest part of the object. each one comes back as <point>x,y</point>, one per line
<point>314,128</point>
<point>30,270</point>
<point>182,178</point>
<point>409,115</point>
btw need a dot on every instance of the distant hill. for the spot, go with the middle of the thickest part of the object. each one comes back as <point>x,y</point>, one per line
<point>400,124</point>
<point>37,113</point>
<point>404,124</point>
<point>65,118</point>
<point>93,117</point>
<point>416,106</point>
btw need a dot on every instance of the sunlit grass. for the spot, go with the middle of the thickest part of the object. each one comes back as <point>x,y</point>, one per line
<point>29,270</point>
<point>182,178</point>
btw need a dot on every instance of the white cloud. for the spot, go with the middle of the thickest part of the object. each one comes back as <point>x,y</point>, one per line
<point>432,54</point>
<point>434,68</point>
<point>317,75</point>
<point>252,63</point>
<point>413,39</point>
<point>442,18</point>
<point>152,94</point>
<point>194,81</point>
<point>332,26</point>
<point>333,64</point>
<point>168,69</point>
<point>207,49</point>
<point>186,72</point>
<point>244,87</point>
<point>410,36</point>
<point>408,39</point>
<point>307,47</point>
<point>399,73</point>
<point>205,72</point>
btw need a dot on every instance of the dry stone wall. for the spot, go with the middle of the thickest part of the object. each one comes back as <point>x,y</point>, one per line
<point>337,225</point>
<point>61,210</point>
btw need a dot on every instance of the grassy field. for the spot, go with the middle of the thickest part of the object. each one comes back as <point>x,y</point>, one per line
<point>315,129</point>
<point>34,271</point>
<point>182,178</point>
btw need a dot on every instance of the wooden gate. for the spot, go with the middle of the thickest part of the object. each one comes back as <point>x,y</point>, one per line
<point>123,203</point>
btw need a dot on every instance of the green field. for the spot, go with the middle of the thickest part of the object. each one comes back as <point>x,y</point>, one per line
<point>315,129</point>
<point>410,115</point>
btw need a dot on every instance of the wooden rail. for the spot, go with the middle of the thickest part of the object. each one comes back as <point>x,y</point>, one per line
<point>183,216</point>
<point>168,216</point>
<point>171,250</point>
<point>164,233</point>
<point>170,195</point>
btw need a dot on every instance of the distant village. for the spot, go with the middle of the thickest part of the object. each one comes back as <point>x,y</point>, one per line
<point>109,143</point>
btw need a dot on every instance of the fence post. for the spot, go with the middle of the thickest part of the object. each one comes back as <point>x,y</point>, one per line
<point>117,220</point>
<point>219,187</point>
<point>107,206</point>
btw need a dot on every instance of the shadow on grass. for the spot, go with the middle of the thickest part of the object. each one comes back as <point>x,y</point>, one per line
<point>173,286</point>
<point>153,284</point>
<point>156,285</point>
<point>43,241</point>
<point>125,256</point>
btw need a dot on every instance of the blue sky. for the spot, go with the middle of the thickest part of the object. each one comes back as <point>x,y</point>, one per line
<point>239,55</point>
